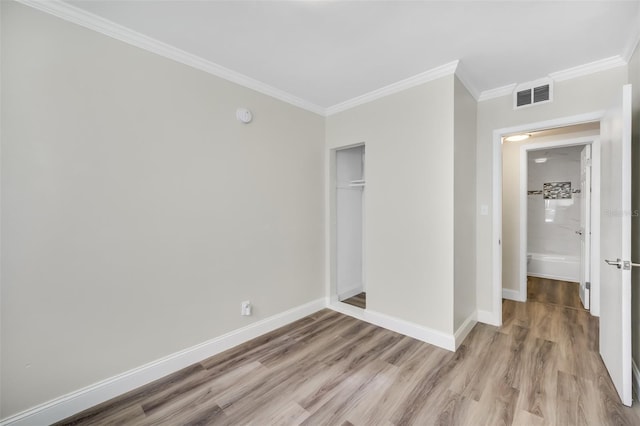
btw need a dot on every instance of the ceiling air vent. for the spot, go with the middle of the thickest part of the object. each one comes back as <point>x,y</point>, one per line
<point>531,93</point>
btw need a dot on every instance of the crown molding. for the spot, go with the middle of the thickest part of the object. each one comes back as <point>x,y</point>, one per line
<point>589,68</point>
<point>433,74</point>
<point>497,92</point>
<point>567,74</point>
<point>96,23</point>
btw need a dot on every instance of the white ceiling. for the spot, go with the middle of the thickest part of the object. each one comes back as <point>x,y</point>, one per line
<point>328,52</point>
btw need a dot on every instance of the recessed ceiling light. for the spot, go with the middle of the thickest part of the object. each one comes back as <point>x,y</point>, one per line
<point>517,138</point>
<point>540,160</point>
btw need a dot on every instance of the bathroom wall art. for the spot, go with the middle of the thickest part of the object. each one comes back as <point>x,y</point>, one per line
<point>556,190</point>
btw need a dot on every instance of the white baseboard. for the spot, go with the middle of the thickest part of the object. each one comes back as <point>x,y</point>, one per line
<point>425,334</point>
<point>636,378</point>
<point>507,293</point>
<point>75,402</point>
<point>488,317</point>
<point>466,327</point>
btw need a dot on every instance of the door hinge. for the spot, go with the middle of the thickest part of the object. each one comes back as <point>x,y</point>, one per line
<point>587,285</point>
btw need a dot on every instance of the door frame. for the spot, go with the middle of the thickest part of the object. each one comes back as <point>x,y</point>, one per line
<point>331,249</point>
<point>594,257</point>
<point>496,202</point>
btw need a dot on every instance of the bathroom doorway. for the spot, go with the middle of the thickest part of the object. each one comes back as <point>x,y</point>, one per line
<point>558,225</point>
<point>542,225</point>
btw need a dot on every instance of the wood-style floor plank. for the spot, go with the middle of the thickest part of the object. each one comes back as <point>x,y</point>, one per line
<point>359,300</point>
<point>563,293</point>
<point>541,367</point>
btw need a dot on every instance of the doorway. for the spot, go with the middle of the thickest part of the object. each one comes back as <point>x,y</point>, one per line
<point>546,206</point>
<point>556,203</point>
<point>612,302</point>
<point>349,229</point>
<point>509,248</point>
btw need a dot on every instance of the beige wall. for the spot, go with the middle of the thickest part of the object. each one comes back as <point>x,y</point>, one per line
<point>577,96</point>
<point>634,79</point>
<point>409,221</point>
<point>137,213</point>
<point>464,208</point>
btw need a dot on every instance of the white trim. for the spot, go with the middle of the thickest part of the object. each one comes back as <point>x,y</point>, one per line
<point>594,307</point>
<point>425,334</point>
<point>567,74</point>
<point>497,92</point>
<point>625,189</point>
<point>433,74</point>
<point>330,210</point>
<point>109,28</point>
<point>636,378</point>
<point>463,331</point>
<point>496,191</point>
<point>104,26</point>
<point>590,68</point>
<point>487,317</point>
<point>496,225</point>
<point>74,402</point>
<point>511,294</point>
<point>523,218</point>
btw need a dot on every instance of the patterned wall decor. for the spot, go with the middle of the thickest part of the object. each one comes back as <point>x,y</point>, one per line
<point>539,192</point>
<point>556,190</point>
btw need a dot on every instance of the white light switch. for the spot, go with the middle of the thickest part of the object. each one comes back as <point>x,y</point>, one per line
<point>484,210</point>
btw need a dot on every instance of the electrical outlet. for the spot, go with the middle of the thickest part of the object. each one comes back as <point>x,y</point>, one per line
<point>245,308</point>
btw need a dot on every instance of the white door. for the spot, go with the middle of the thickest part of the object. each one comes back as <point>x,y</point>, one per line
<point>615,279</point>
<point>585,226</point>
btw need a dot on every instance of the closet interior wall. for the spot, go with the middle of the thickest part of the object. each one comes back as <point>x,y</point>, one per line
<point>350,193</point>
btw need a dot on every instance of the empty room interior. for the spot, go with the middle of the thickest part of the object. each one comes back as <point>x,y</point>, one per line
<point>319,212</point>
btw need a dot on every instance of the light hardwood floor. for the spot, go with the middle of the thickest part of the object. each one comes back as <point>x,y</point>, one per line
<point>564,293</point>
<point>540,368</point>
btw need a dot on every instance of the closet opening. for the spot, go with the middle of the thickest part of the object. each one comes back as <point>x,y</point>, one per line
<point>349,226</point>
